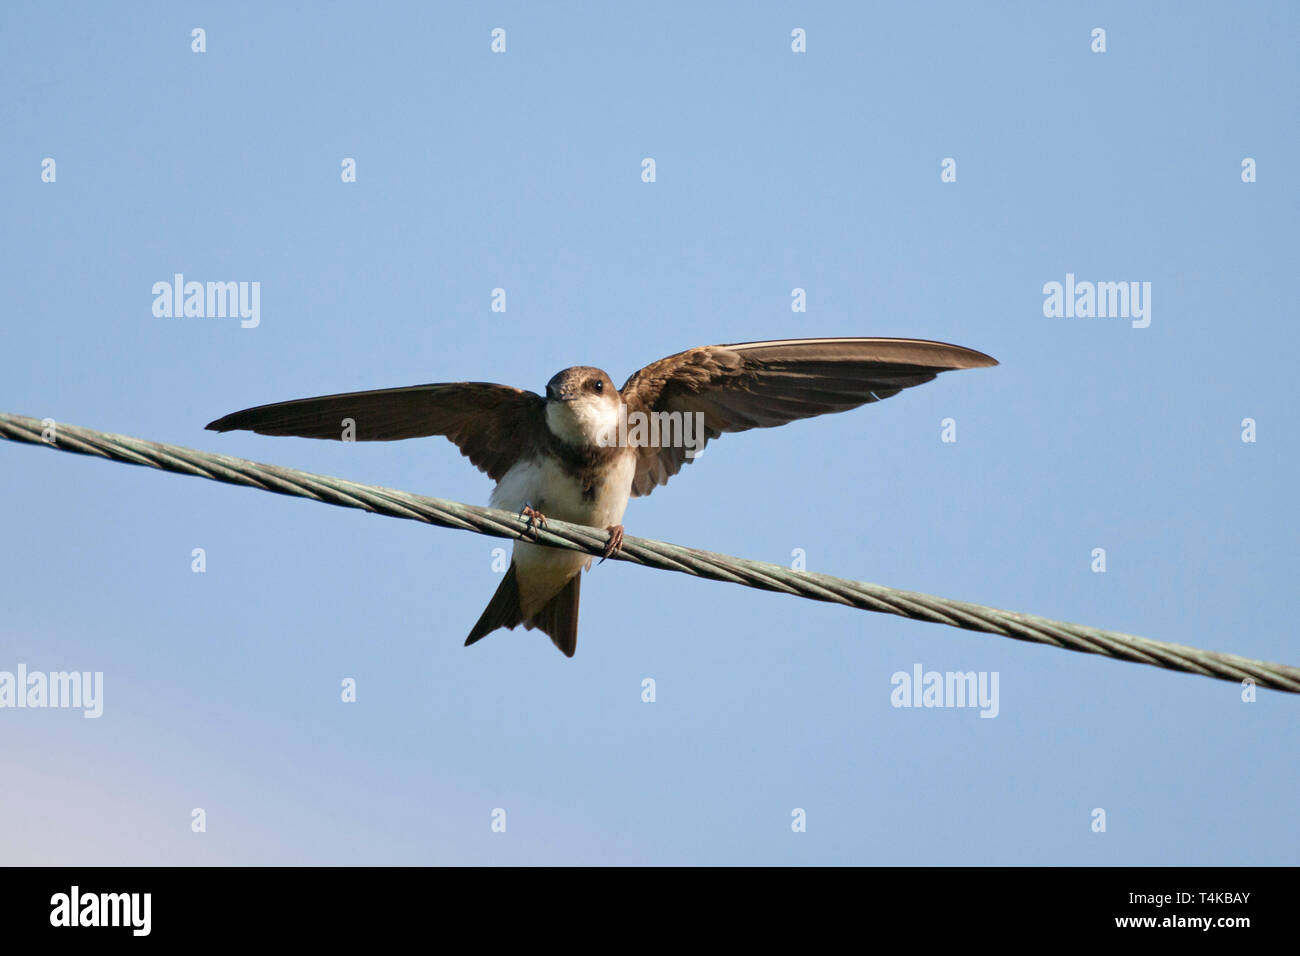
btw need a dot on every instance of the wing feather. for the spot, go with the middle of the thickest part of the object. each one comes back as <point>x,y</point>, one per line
<point>764,384</point>
<point>492,425</point>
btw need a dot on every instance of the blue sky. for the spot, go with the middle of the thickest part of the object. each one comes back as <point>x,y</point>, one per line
<point>774,170</point>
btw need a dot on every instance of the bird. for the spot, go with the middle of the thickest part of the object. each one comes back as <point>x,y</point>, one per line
<point>579,452</point>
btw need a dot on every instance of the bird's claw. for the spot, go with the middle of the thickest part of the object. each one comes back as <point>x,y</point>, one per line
<point>615,542</point>
<point>534,517</point>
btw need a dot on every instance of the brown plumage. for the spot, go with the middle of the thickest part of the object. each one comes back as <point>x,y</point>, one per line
<point>490,424</point>
<point>548,452</point>
<point>763,384</point>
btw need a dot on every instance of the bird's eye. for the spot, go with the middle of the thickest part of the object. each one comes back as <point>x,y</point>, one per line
<point>598,385</point>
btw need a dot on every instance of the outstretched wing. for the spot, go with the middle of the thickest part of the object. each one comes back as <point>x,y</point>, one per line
<point>762,384</point>
<point>492,425</point>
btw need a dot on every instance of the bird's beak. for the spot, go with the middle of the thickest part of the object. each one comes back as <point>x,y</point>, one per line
<point>551,393</point>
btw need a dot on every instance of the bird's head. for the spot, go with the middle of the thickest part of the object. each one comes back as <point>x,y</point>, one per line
<point>582,406</point>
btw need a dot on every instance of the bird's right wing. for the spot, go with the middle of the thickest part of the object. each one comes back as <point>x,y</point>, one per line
<point>492,425</point>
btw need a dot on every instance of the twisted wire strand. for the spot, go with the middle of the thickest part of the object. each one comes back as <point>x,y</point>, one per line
<point>654,554</point>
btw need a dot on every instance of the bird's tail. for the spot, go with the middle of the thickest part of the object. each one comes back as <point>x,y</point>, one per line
<point>558,619</point>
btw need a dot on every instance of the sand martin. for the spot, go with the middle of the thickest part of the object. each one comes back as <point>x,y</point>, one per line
<point>582,450</point>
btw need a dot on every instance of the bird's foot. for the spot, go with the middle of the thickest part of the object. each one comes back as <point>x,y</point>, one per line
<point>534,517</point>
<point>615,541</point>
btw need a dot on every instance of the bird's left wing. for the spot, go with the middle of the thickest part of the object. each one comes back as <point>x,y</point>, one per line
<point>492,425</point>
<point>761,384</point>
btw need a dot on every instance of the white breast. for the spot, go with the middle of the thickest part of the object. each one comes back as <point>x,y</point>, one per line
<point>544,485</point>
<point>540,571</point>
